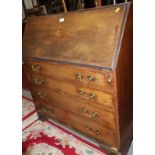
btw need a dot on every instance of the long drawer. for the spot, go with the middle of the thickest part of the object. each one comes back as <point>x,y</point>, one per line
<point>84,125</point>
<point>88,77</point>
<point>78,107</point>
<point>90,95</point>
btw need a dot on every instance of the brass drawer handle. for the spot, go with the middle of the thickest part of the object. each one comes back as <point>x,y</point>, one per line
<point>51,110</point>
<point>38,81</point>
<point>36,68</point>
<point>93,131</point>
<point>87,95</point>
<point>89,114</point>
<point>85,81</point>
<point>41,94</point>
<point>45,109</point>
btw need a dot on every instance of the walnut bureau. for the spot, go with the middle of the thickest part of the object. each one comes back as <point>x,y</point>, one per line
<point>79,66</point>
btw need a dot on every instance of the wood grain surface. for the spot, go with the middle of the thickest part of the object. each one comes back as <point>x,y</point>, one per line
<point>77,106</point>
<point>102,79</point>
<point>87,37</point>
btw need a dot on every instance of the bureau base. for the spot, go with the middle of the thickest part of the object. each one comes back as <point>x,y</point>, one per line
<point>109,150</point>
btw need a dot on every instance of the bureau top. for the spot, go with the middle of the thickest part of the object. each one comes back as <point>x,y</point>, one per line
<point>90,37</point>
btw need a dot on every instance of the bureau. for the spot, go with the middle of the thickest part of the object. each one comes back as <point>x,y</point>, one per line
<point>79,67</point>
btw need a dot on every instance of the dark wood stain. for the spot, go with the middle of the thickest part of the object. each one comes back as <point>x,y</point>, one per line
<point>124,78</point>
<point>84,37</point>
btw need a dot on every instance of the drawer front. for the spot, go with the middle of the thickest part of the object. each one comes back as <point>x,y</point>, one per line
<point>92,129</point>
<point>78,107</point>
<point>90,95</point>
<point>54,112</point>
<point>101,80</point>
<point>88,127</point>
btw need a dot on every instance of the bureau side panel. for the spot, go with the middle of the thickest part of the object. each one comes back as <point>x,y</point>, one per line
<point>124,76</point>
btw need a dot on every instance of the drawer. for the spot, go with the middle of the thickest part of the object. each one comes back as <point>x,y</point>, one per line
<point>54,112</point>
<point>88,77</point>
<point>90,95</point>
<point>80,108</point>
<point>85,126</point>
<point>93,129</point>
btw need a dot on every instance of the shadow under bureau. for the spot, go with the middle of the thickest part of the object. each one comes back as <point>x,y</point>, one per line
<point>79,66</point>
